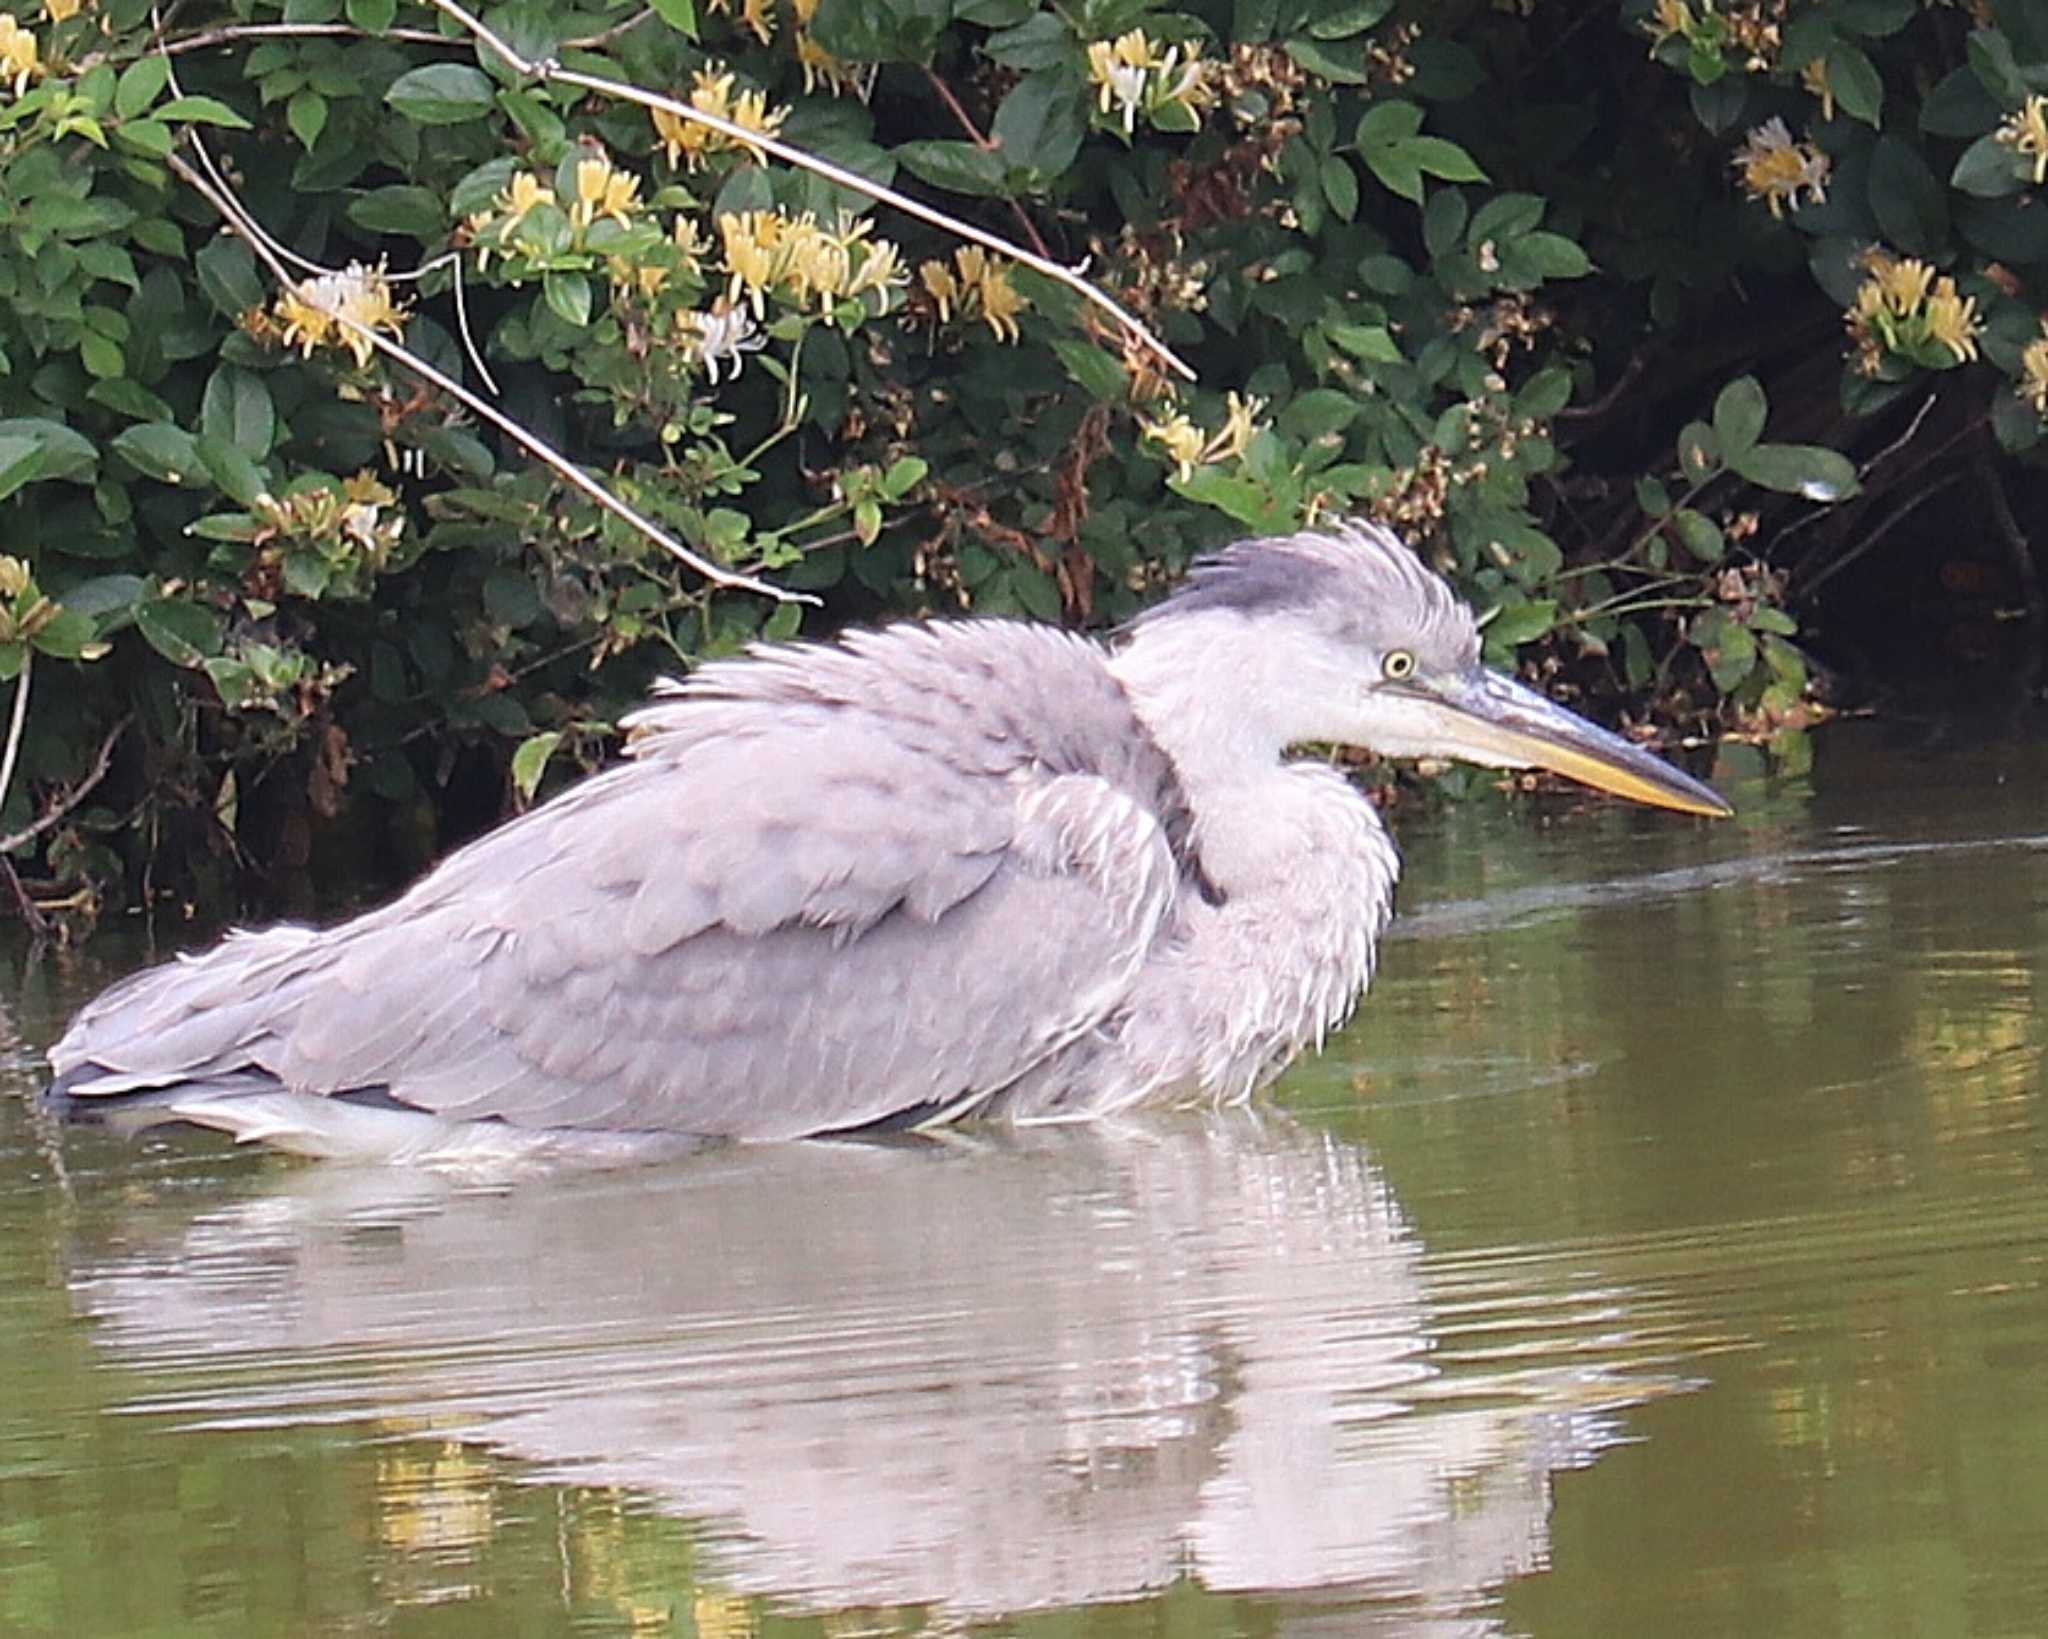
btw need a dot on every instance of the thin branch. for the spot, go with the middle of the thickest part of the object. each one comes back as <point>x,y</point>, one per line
<point>255,31</point>
<point>1875,537</point>
<point>17,724</point>
<point>15,841</point>
<point>2018,547</point>
<point>246,227</point>
<point>552,72</point>
<point>591,42</point>
<point>988,146</point>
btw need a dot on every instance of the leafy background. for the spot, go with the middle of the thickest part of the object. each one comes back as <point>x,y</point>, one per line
<point>1666,386</point>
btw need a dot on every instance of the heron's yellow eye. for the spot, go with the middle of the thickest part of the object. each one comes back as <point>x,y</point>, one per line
<point>1398,667</point>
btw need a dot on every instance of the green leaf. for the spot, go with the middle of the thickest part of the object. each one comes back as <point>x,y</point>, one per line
<point>1988,169</point>
<point>1728,648</point>
<point>21,462</point>
<point>151,137</point>
<point>1098,372</point>
<point>880,31</point>
<point>372,16</point>
<point>306,114</point>
<point>1041,122</point>
<point>141,82</point>
<point>67,635</point>
<point>1910,204</point>
<point>183,632</point>
<point>442,94</point>
<point>160,451</point>
<point>237,409</point>
<point>569,297</point>
<point>1739,414</point>
<point>1443,222</point>
<point>102,358</point>
<point>414,212</point>
<point>1374,343</point>
<point>1397,173</point>
<point>227,273</point>
<point>1514,624</point>
<point>106,596</point>
<point>1544,394</point>
<point>1318,413</point>
<point>1344,65</point>
<point>1959,106</point>
<point>232,470</point>
<point>307,574</point>
<point>1552,255</point>
<point>1505,216</point>
<point>1387,123</point>
<point>1699,535</point>
<point>680,15</point>
<point>1809,470</point>
<point>1699,451</point>
<point>961,167</point>
<point>1041,41</point>
<point>903,476</point>
<point>201,111</point>
<point>1340,186</point>
<point>1439,157</point>
<point>1341,21</point>
<point>1238,498</point>
<point>510,598</point>
<point>110,262</point>
<point>530,762</point>
<point>1854,79</point>
<point>66,454</point>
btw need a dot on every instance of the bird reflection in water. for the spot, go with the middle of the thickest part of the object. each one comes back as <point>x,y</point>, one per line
<point>987,1375</point>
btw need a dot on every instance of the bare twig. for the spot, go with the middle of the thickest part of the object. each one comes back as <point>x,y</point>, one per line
<point>988,146</point>
<point>1875,537</point>
<point>1638,362</point>
<point>22,902</point>
<point>256,31</point>
<point>16,724</point>
<point>251,231</point>
<point>551,72</point>
<point>102,761</point>
<point>591,42</point>
<point>2018,548</point>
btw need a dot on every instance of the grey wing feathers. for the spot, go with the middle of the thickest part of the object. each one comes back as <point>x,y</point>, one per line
<point>834,885</point>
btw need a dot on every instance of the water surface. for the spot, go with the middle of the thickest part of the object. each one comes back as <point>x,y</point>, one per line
<point>1661,1251</point>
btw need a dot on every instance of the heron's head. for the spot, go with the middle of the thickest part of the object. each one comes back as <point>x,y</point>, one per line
<point>1359,643</point>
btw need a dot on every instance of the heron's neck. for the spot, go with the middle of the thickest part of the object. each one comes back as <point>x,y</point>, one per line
<point>1205,690</point>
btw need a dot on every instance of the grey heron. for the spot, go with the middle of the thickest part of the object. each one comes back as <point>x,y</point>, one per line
<point>912,874</point>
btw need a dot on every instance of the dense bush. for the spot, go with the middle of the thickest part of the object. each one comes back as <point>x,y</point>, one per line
<point>1504,275</point>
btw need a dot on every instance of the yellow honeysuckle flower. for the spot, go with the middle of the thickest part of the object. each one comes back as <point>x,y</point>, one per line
<point>2025,130</point>
<point>1901,283</point>
<point>2033,382</point>
<point>757,16</point>
<point>1180,438</point>
<point>603,190</point>
<point>943,288</point>
<point>1814,76</point>
<point>1776,169</point>
<point>20,60</point>
<point>1952,320</point>
<point>688,141</point>
<point>335,308</point>
<point>976,286</point>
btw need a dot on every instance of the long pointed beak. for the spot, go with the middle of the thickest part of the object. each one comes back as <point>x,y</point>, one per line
<point>1484,717</point>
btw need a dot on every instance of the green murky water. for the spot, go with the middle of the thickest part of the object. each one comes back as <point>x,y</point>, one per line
<point>1662,1252</point>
